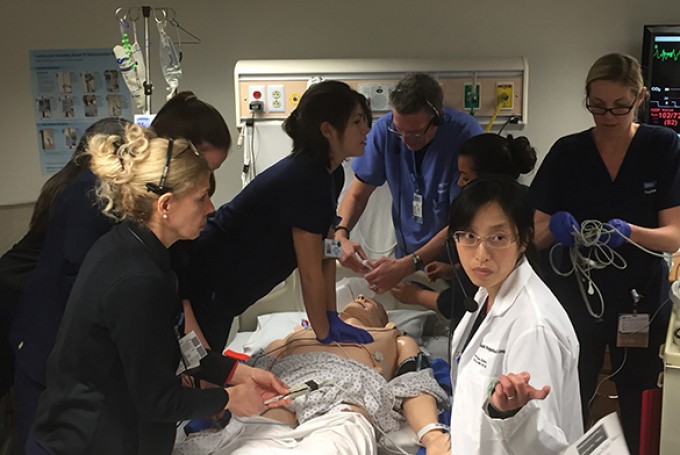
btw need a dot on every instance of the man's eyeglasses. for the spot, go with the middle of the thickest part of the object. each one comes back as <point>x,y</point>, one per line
<point>470,239</point>
<point>617,110</point>
<point>161,189</point>
<point>411,136</point>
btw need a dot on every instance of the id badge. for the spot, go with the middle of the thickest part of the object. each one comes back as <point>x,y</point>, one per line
<point>418,208</point>
<point>633,331</point>
<point>192,351</point>
<point>332,249</point>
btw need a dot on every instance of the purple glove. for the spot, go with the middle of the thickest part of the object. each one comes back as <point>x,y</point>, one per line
<point>562,225</point>
<point>616,239</point>
<point>342,332</point>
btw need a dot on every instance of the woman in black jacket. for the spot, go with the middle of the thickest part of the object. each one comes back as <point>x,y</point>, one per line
<point>111,381</point>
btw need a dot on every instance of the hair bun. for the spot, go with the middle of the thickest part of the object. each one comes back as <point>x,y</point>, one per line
<point>522,153</point>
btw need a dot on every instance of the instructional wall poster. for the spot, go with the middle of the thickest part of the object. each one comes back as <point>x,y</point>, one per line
<point>72,89</point>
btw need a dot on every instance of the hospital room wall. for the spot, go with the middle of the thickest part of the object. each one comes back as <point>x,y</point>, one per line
<point>560,40</point>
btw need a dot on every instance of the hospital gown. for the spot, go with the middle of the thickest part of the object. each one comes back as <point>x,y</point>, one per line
<point>342,381</point>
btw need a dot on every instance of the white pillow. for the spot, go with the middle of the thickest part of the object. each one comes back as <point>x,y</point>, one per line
<point>274,326</point>
<point>411,322</point>
<point>271,327</point>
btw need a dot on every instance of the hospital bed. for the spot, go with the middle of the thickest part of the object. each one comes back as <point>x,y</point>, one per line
<point>274,316</point>
<point>416,321</point>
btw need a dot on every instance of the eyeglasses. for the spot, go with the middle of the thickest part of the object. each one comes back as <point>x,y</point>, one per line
<point>411,136</point>
<point>161,189</point>
<point>469,239</point>
<point>617,110</point>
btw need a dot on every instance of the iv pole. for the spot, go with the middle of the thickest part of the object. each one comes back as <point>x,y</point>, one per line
<point>148,86</point>
<point>168,13</point>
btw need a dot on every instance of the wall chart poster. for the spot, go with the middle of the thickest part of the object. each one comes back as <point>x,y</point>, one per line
<point>72,89</point>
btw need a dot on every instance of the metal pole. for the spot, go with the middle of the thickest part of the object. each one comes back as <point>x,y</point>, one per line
<point>148,86</point>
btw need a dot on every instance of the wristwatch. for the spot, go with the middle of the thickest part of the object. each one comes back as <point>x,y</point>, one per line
<point>417,262</point>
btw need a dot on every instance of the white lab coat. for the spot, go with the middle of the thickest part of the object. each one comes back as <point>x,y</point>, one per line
<point>526,330</point>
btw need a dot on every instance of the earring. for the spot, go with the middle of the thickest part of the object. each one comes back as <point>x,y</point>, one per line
<point>165,216</point>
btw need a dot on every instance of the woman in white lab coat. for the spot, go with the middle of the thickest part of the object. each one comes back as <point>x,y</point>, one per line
<point>514,359</point>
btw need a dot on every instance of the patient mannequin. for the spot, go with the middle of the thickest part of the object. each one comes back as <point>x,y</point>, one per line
<point>389,349</point>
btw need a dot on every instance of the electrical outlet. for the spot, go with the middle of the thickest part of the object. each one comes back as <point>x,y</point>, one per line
<point>504,95</point>
<point>256,97</point>
<point>276,98</point>
<point>294,99</point>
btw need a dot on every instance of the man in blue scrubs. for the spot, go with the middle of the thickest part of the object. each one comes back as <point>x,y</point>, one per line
<point>415,150</point>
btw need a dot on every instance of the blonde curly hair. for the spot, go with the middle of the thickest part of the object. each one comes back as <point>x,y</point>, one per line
<point>125,165</point>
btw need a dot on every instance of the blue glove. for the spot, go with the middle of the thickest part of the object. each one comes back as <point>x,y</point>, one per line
<point>342,332</point>
<point>562,225</point>
<point>616,239</point>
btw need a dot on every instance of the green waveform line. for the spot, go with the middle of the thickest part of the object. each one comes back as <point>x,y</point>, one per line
<point>663,55</point>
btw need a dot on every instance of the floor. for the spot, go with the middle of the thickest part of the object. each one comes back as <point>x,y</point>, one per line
<point>606,400</point>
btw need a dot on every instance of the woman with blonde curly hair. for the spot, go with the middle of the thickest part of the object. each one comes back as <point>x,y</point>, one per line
<point>112,385</point>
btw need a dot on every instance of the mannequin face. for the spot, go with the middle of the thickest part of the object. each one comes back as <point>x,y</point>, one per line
<point>486,266</point>
<point>364,312</point>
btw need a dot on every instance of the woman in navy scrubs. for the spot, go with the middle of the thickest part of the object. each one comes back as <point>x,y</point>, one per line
<point>625,174</point>
<point>279,222</point>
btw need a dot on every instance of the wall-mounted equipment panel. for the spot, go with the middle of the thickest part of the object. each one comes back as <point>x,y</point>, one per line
<point>486,89</point>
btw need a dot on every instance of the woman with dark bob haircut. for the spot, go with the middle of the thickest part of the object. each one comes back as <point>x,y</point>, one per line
<point>519,332</point>
<point>279,222</point>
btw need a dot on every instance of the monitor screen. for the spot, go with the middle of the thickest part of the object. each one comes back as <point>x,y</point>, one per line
<point>661,68</point>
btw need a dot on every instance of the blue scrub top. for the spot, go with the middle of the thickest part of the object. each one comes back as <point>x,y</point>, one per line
<point>387,159</point>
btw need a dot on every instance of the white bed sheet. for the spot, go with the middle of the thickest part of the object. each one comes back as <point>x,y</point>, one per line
<point>237,344</point>
<point>340,433</point>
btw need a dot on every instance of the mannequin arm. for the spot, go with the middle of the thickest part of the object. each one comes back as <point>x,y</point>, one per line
<point>422,409</point>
